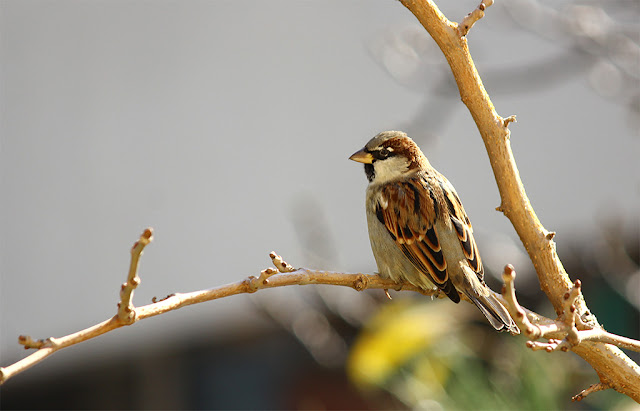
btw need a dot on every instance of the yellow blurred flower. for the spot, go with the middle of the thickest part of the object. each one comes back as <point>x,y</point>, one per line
<point>400,331</point>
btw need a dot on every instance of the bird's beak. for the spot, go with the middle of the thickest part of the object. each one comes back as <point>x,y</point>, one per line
<point>362,157</point>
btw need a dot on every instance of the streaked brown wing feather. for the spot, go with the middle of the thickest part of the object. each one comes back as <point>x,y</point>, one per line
<point>462,225</point>
<point>409,214</point>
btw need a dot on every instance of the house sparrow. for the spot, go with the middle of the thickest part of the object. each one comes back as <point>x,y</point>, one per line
<point>418,228</point>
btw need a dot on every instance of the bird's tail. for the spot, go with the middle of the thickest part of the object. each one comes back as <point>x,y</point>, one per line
<point>495,312</point>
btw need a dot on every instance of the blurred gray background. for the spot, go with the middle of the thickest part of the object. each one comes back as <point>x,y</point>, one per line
<point>226,126</point>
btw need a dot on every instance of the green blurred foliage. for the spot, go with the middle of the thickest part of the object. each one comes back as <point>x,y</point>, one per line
<point>438,355</point>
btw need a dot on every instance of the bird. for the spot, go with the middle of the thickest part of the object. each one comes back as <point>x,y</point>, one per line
<point>418,228</point>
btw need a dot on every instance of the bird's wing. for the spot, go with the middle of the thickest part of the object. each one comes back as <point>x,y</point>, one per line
<point>409,210</point>
<point>462,225</point>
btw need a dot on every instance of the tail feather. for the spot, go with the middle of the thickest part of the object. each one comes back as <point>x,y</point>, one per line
<point>495,312</point>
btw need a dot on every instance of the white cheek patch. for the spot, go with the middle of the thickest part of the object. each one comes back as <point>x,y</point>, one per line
<point>389,169</point>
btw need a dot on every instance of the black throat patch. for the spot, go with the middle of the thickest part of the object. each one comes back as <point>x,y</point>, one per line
<point>368,170</point>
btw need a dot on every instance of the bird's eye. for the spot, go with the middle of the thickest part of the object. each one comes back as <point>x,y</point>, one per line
<point>384,153</point>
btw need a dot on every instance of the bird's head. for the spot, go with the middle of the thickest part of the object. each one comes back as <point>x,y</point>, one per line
<point>391,155</point>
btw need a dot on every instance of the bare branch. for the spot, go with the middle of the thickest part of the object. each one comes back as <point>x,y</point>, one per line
<point>51,345</point>
<point>600,335</point>
<point>593,388</point>
<point>270,277</point>
<point>565,325</point>
<point>529,329</point>
<point>126,315</point>
<point>613,367</point>
<point>126,311</point>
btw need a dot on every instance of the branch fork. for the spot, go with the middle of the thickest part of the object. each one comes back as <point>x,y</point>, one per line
<point>567,332</point>
<point>126,315</point>
<point>283,274</point>
<point>569,323</point>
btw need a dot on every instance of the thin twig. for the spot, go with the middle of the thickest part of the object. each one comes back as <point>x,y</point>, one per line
<point>270,278</point>
<point>284,275</point>
<point>471,18</point>
<point>593,388</point>
<point>566,324</point>
<point>126,310</point>
<point>600,335</point>
<point>126,315</point>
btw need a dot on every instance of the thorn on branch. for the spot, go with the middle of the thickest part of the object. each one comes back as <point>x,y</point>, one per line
<point>509,120</point>
<point>155,299</point>
<point>471,18</point>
